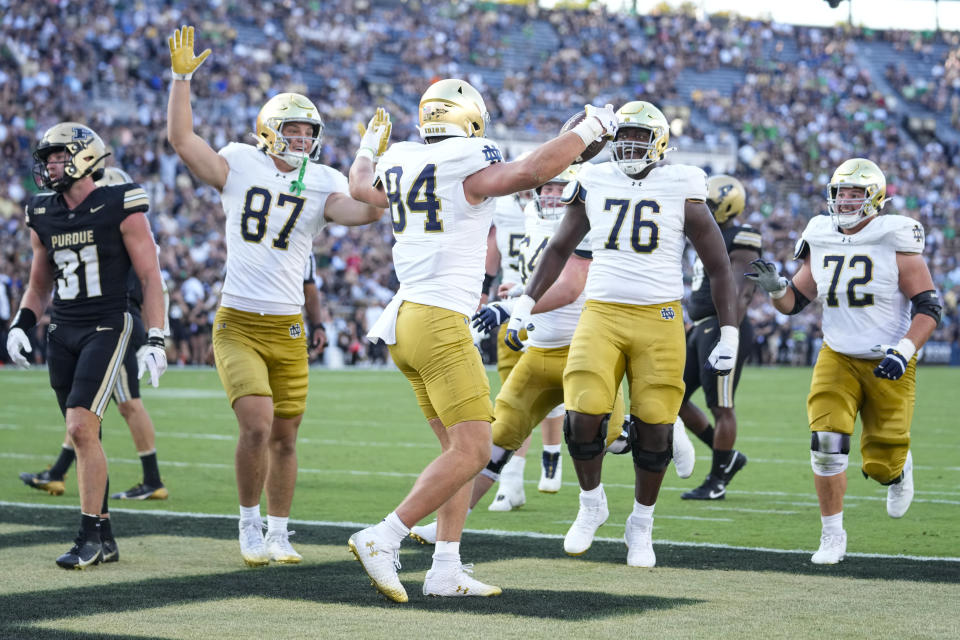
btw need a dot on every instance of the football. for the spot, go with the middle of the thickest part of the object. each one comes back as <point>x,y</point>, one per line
<point>593,148</point>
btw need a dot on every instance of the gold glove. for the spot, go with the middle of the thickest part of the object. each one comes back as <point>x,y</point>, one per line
<point>182,60</point>
<point>375,137</point>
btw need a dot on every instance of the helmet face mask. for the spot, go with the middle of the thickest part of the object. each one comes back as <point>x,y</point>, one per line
<point>281,110</point>
<point>548,195</point>
<point>78,151</point>
<point>452,107</point>
<point>642,137</point>
<point>856,192</point>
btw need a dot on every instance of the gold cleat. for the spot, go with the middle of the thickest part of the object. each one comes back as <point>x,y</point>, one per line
<point>43,482</point>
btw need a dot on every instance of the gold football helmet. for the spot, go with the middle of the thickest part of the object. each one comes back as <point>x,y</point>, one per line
<point>859,173</point>
<point>452,107</point>
<point>549,206</point>
<point>283,108</point>
<point>114,176</point>
<point>726,197</point>
<point>85,155</point>
<point>633,156</point>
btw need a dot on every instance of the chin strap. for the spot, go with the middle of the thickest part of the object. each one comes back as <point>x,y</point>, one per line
<point>297,186</point>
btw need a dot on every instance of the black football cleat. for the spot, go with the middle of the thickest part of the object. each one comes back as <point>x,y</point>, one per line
<point>142,492</point>
<point>737,461</point>
<point>82,554</point>
<point>712,488</point>
<point>44,482</point>
<point>108,551</point>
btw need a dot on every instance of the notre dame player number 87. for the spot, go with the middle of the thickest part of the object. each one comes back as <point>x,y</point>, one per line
<point>256,209</point>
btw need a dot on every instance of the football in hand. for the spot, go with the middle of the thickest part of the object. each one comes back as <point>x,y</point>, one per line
<point>593,148</point>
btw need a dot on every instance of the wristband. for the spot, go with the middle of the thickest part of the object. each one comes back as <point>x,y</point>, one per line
<point>487,281</point>
<point>366,152</point>
<point>588,130</point>
<point>730,335</point>
<point>155,338</point>
<point>25,319</point>
<point>181,76</point>
<point>906,348</point>
<point>523,306</point>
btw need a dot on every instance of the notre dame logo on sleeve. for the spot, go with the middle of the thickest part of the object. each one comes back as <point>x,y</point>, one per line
<point>296,330</point>
<point>491,154</point>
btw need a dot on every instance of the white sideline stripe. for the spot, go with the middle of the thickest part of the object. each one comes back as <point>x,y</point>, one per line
<point>397,474</point>
<point>486,532</point>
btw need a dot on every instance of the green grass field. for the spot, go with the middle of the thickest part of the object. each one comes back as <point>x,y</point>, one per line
<point>733,568</point>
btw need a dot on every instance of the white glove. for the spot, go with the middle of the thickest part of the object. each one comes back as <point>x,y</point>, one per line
<point>376,135</point>
<point>17,342</point>
<point>723,358</point>
<point>768,278</point>
<point>152,357</point>
<point>600,121</point>
<point>519,320</point>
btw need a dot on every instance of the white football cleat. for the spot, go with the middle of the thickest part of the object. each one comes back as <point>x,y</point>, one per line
<point>832,549</point>
<point>279,549</point>
<point>380,561</point>
<point>456,584</point>
<point>253,549</point>
<point>510,494</point>
<point>551,472</point>
<point>591,515</point>
<point>639,538</point>
<point>426,534</point>
<point>684,455</point>
<point>900,495</point>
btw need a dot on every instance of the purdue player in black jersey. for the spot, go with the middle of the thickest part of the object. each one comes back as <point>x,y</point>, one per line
<point>726,200</point>
<point>126,394</point>
<point>86,239</point>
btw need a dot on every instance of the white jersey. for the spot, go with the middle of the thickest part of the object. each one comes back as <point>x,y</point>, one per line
<point>554,328</point>
<point>508,219</point>
<point>636,230</point>
<point>441,239</point>
<point>858,280</point>
<point>269,230</point>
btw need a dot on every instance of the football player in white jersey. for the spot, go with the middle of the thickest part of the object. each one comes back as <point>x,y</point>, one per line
<point>276,198</point>
<point>637,212</point>
<point>441,196</point>
<point>879,307</point>
<point>534,388</point>
<point>509,230</point>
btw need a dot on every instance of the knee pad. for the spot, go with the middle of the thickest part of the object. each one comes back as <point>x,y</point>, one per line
<point>829,452</point>
<point>646,442</point>
<point>585,450</point>
<point>498,458</point>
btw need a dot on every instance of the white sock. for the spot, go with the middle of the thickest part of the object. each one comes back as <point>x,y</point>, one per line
<point>276,524</point>
<point>595,494</point>
<point>250,513</point>
<point>393,529</point>
<point>446,556</point>
<point>642,510</point>
<point>832,525</point>
<point>551,448</point>
<point>514,467</point>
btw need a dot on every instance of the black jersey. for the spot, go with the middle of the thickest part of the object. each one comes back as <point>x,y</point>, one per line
<point>701,301</point>
<point>134,292</point>
<point>86,251</point>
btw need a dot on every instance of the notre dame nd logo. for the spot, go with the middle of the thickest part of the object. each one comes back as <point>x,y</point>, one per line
<point>491,154</point>
<point>667,313</point>
<point>296,330</point>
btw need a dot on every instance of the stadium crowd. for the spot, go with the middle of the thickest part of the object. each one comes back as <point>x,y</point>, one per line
<point>105,64</point>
